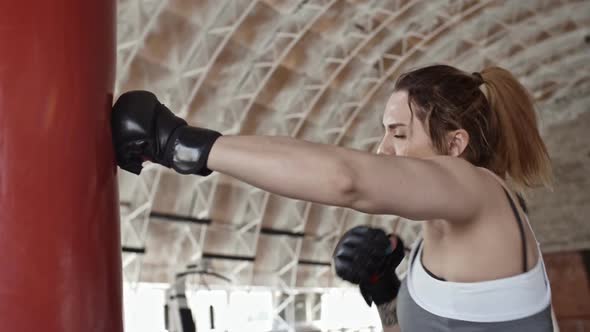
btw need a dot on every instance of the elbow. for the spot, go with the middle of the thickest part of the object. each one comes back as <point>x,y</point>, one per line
<point>358,199</point>
<point>359,204</point>
<point>344,183</point>
<point>350,193</point>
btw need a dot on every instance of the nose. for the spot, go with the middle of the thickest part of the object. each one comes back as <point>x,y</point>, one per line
<point>385,148</point>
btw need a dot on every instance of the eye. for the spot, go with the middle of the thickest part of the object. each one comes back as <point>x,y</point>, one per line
<point>399,136</point>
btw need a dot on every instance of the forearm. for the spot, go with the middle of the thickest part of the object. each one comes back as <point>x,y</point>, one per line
<point>388,315</point>
<point>286,166</point>
<point>395,328</point>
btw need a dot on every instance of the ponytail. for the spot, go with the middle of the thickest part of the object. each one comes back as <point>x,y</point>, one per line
<point>520,153</point>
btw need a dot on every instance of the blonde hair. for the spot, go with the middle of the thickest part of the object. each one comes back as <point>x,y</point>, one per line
<point>520,153</point>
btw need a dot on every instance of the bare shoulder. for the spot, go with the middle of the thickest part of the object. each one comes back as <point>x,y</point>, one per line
<point>440,187</point>
<point>476,182</point>
<point>481,183</point>
<point>465,173</point>
<point>453,163</point>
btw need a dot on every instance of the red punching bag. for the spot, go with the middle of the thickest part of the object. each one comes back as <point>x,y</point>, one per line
<point>60,259</point>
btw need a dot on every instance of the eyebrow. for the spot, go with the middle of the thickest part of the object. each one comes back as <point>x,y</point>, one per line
<point>392,126</point>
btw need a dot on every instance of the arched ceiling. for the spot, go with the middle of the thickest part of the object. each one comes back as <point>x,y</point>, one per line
<point>321,70</point>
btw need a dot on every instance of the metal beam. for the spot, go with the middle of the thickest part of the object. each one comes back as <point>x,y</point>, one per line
<point>209,255</point>
<point>133,250</point>
<point>273,231</point>
<point>312,262</point>
<point>179,218</point>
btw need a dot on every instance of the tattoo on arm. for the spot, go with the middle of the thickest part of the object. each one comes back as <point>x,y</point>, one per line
<point>388,313</point>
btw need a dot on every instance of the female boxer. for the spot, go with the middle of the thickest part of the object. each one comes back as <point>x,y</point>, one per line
<point>455,143</point>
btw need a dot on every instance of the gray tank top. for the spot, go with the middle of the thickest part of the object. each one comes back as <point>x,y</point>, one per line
<point>412,318</point>
<point>438,297</point>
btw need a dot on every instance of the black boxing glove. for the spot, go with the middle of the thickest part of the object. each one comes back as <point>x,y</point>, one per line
<point>144,129</point>
<point>380,288</point>
<point>368,257</point>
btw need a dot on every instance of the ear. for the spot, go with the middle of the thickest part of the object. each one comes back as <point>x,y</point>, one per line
<point>458,141</point>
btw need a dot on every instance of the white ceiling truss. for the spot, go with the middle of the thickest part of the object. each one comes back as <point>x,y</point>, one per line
<point>318,70</point>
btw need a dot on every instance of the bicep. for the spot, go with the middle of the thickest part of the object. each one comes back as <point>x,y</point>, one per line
<point>419,189</point>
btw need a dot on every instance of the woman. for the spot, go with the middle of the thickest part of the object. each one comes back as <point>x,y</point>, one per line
<point>452,140</point>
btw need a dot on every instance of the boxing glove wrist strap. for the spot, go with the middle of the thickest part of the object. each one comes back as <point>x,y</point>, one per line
<point>382,289</point>
<point>188,149</point>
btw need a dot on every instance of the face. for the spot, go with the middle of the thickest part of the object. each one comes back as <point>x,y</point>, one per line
<point>404,135</point>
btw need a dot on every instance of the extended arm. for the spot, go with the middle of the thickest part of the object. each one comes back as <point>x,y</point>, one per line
<point>442,187</point>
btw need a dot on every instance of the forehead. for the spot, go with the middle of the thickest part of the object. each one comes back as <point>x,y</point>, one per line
<point>397,109</point>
